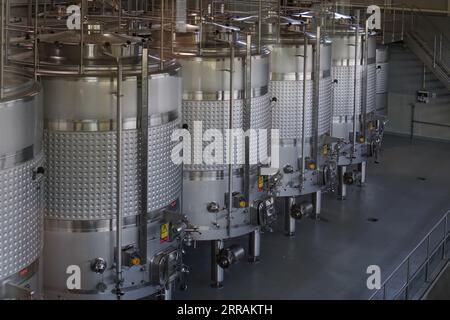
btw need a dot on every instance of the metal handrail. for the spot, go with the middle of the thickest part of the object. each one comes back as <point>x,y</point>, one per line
<point>430,254</point>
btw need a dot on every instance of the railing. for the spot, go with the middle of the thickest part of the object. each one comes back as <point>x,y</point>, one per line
<point>422,265</point>
<point>419,28</point>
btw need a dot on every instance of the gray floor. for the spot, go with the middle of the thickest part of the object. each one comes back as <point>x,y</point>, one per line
<point>328,259</point>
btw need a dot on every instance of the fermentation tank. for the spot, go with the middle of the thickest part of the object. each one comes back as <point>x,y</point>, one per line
<point>301,108</point>
<point>382,78</point>
<point>354,101</point>
<point>86,203</point>
<point>21,176</point>
<point>220,205</point>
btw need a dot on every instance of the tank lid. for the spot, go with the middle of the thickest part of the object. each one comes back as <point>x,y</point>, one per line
<point>215,42</point>
<point>16,84</point>
<point>64,47</point>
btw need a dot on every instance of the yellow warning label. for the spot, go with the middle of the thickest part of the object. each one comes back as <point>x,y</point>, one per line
<point>164,232</point>
<point>260,182</point>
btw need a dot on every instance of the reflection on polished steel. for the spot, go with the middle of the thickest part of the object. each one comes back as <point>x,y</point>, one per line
<point>382,60</point>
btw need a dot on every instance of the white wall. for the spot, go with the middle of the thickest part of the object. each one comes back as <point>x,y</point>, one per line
<point>405,79</point>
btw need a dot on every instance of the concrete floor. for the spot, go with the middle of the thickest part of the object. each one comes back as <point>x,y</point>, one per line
<point>328,258</point>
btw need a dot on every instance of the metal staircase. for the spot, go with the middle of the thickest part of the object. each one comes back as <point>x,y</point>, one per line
<point>429,41</point>
<point>431,46</point>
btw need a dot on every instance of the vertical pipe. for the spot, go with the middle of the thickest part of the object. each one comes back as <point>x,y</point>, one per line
<point>6,38</point>
<point>119,159</point>
<point>230,143</point>
<point>30,14</point>
<point>365,81</point>
<point>161,52</point>
<point>144,155</point>
<point>216,270</point>
<point>317,203</point>
<point>342,188</point>
<point>247,113</point>
<point>82,9</point>
<point>393,25</point>
<point>305,66</point>
<point>279,22</point>
<point>200,29</point>
<point>172,24</point>
<point>403,23</point>
<point>362,170</point>
<point>254,245</point>
<point>440,47</point>
<point>289,222</point>
<point>45,12</point>
<point>355,83</point>
<point>316,96</point>
<point>333,20</point>
<point>384,22</point>
<point>434,51</point>
<point>2,48</point>
<point>260,15</point>
<point>413,107</point>
<point>119,8</point>
<point>424,76</point>
<point>36,52</point>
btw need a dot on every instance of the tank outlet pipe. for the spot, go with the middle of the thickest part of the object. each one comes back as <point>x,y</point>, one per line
<point>355,82</point>
<point>119,184</point>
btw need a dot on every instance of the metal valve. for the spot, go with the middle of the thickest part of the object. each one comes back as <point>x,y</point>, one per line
<point>229,256</point>
<point>213,207</point>
<point>99,265</point>
<point>301,210</point>
<point>349,179</point>
<point>288,169</point>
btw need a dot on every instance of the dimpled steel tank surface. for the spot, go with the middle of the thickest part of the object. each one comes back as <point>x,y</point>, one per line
<point>21,196</point>
<point>81,149</point>
<point>303,162</point>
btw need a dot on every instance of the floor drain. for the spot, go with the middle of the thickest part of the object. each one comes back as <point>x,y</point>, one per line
<point>372,219</point>
<point>421,178</point>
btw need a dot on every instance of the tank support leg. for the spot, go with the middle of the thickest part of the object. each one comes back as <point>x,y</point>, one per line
<point>342,189</point>
<point>168,290</point>
<point>216,270</point>
<point>254,246</point>
<point>289,222</point>
<point>362,170</point>
<point>317,202</point>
